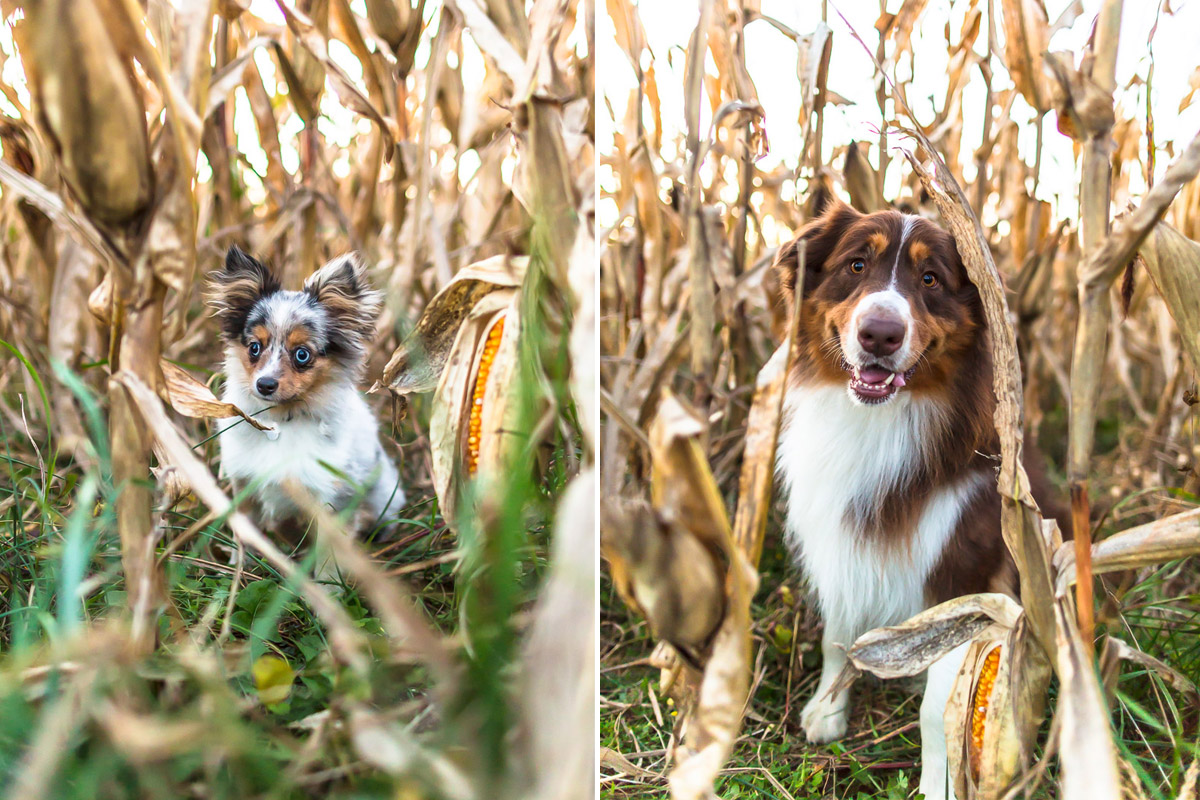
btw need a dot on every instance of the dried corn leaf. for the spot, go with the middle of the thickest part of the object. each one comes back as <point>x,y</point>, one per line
<point>912,646</point>
<point>560,659</point>
<point>861,180</point>
<point>812,68</point>
<point>1173,677</point>
<point>682,487</point>
<point>668,575</point>
<point>1026,31</point>
<point>1085,110</point>
<point>1089,761</point>
<point>193,399</point>
<point>1173,263</point>
<point>1166,539</point>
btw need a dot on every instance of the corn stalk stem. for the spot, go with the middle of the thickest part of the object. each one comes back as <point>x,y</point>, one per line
<point>703,356</point>
<point>137,320</point>
<point>1095,311</point>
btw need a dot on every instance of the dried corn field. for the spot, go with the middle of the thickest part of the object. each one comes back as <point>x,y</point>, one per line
<point>153,641</point>
<point>1058,142</point>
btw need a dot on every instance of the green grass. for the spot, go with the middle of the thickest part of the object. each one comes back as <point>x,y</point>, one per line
<point>880,758</point>
<point>187,719</point>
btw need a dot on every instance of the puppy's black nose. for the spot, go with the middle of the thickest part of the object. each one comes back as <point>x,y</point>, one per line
<point>267,386</point>
<point>881,336</point>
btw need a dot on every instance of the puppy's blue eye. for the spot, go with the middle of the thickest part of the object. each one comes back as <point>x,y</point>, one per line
<point>302,355</point>
<point>255,349</point>
<point>857,266</point>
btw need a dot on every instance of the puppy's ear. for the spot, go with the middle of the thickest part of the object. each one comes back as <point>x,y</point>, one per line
<point>233,291</point>
<point>821,237</point>
<point>342,289</point>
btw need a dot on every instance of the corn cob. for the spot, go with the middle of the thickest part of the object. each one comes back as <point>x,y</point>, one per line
<point>979,707</point>
<point>475,419</point>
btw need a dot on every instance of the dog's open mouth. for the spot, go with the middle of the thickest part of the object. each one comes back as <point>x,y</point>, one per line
<point>875,383</point>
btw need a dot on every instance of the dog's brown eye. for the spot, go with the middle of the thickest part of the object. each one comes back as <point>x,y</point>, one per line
<point>929,280</point>
<point>857,266</point>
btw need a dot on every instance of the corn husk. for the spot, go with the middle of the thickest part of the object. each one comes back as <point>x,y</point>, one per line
<point>91,109</point>
<point>445,353</point>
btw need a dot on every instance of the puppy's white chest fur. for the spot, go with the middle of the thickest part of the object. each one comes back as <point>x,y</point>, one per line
<point>332,449</point>
<point>834,453</point>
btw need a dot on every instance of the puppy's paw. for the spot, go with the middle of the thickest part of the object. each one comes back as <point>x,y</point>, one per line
<point>823,719</point>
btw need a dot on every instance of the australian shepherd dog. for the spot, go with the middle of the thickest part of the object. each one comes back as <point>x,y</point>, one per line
<point>888,454</point>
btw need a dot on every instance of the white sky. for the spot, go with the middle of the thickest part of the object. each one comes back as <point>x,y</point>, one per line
<point>771,62</point>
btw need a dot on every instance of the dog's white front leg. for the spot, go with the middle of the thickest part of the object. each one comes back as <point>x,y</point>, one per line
<point>939,681</point>
<point>824,716</point>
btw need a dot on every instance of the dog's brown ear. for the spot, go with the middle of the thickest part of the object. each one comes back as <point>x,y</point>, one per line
<point>342,288</point>
<point>233,291</point>
<point>821,237</point>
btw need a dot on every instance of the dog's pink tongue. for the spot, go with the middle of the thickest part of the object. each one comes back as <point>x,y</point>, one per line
<point>899,380</point>
<point>875,374</point>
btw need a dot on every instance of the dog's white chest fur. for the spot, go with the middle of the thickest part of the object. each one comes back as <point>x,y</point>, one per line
<point>332,455</point>
<point>833,452</point>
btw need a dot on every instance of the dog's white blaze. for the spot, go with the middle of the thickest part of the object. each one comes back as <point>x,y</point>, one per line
<point>832,452</point>
<point>337,427</point>
<point>888,301</point>
<point>909,221</point>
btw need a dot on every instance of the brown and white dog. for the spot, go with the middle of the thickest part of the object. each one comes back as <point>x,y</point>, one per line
<point>889,454</point>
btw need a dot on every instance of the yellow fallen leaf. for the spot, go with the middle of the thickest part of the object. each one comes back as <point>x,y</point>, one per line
<point>273,679</point>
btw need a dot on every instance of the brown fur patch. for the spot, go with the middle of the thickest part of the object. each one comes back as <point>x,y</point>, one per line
<point>878,241</point>
<point>918,250</point>
<point>296,337</point>
<point>295,384</point>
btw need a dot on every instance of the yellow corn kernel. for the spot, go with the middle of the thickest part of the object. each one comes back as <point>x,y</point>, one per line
<point>979,707</point>
<point>475,419</point>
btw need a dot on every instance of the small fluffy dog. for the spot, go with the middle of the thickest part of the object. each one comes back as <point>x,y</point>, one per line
<point>889,453</point>
<point>299,356</point>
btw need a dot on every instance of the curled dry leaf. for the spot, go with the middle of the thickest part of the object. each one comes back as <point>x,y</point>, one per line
<point>1084,109</point>
<point>1173,263</point>
<point>812,68</point>
<point>1176,679</point>
<point>682,488</point>
<point>1166,539</point>
<point>193,399</point>
<point>910,647</point>
<point>668,575</point>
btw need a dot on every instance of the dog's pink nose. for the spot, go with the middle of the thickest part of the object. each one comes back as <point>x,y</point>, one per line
<point>881,336</point>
